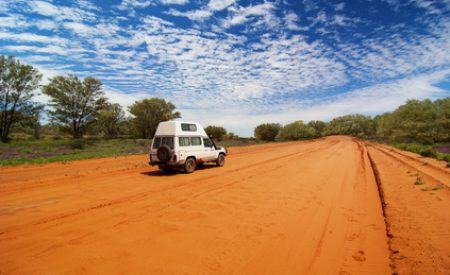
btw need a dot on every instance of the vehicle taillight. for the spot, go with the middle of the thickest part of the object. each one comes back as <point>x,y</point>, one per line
<point>174,158</point>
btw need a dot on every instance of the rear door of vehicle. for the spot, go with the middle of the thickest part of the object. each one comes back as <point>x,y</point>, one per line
<point>159,141</point>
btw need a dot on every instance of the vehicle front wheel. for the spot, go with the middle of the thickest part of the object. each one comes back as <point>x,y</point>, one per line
<point>189,165</point>
<point>220,160</point>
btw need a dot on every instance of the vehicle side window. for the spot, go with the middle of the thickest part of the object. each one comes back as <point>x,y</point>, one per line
<point>207,142</point>
<point>196,141</point>
<point>156,142</point>
<point>188,127</point>
<point>184,141</point>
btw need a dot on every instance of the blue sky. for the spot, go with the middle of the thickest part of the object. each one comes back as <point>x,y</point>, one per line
<point>241,63</point>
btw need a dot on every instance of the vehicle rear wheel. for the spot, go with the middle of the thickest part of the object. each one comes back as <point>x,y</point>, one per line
<point>220,160</point>
<point>189,165</point>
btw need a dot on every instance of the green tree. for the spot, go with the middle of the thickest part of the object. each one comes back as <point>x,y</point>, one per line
<point>443,121</point>
<point>416,121</point>
<point>17,83</point>
<point>215,132</point>
<point>355,125</point>
<point>231,135</point>
<point>267,131</point>
<point>318,126</point>
<point>148,113</point>
<point>295,131</point>
<point>75,103</point>
<point>110,120</point>
<point>384,126</point>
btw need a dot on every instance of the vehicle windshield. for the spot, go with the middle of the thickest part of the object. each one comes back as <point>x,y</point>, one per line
<point>159,141</point>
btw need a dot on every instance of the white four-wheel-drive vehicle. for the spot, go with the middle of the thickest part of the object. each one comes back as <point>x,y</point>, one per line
<point>179,144</point>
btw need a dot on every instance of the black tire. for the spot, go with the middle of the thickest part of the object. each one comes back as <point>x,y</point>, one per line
<point>164,153</point>
<point>220,160</point>
<point>189,165</point>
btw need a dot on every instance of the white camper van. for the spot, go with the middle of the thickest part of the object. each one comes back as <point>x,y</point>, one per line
<point>179,144</point>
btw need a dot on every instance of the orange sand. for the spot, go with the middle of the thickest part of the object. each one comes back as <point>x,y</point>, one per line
<point>308,207</point>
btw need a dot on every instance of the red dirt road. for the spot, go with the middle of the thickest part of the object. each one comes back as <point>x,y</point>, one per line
<point>292,208</point>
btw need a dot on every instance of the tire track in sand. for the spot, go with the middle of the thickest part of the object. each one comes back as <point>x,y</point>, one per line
<point>436,174</point>
<point>418,228</point>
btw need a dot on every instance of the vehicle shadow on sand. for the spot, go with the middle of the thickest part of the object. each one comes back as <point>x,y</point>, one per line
<point>161,173</point>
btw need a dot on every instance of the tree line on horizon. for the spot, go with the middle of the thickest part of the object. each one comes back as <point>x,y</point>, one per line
<point>79,106</point>
<point>417,121</point>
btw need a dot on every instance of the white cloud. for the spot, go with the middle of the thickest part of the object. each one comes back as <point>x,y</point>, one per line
<point>79,28</point>
<point>321,17</point>
<point>174,2</point>
<point>323,21</point>
<point>431,7</point>
<point>340,20</point>
<point>13,21</point>
<point>310,5</point>
<point>44,8</point>
<point>30,37</point>
<point>87,5</point>
<point>394,55</point>
<point>47,50</point>
<point>203,13</point>
<point>291,20</point>
<point>124,99</point>
<point>192,15</point>
<point>240,15</point>
<point>379,98</point>
<point>45,24</point>
<point>134,4</point>
<point>339,7</point>
<point>60,13</point>
<point>218,5</point>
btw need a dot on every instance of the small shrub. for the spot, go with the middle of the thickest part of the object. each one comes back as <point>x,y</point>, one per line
<point>434,188</point>
<point>423,150</point>
<point>78,144</point>
<point>428,152</point>
<point>419,181</point>
<point>446,157</point>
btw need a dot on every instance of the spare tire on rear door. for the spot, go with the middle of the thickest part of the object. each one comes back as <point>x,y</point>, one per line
<point>164,153</point>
